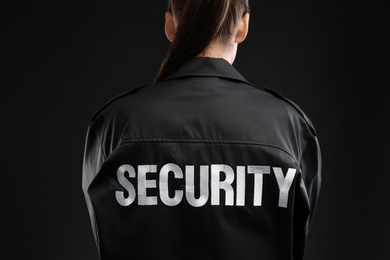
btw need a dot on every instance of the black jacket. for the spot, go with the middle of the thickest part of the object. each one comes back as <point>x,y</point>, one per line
<point>201,166</point>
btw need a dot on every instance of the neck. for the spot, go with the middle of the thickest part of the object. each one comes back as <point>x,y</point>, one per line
<point>218,50</point>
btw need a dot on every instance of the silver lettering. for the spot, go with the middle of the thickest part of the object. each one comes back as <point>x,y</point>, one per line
<point>226,185</point>
<point>204,186</point>
<point>164,189</point>
<point>144,184</point>
<point>126,184</point>
<point>221,180</point>
<point>240,198</point>
<point>284,184</point>
<point>258,171</point>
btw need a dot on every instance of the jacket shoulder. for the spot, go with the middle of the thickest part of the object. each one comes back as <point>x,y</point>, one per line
<point>295,106</point>
<point>112,100</point>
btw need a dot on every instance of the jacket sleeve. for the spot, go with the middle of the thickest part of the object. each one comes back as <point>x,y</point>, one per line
<point>308,195</point>
<point>311,165</point>
<point>92,162</point>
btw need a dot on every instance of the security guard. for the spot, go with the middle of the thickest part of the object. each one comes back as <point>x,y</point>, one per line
<point>201,164</point>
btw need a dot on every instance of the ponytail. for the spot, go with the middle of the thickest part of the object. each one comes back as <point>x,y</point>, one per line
<point>200,22</point>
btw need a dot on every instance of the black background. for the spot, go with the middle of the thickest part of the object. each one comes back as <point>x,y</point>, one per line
<point>63,60</point>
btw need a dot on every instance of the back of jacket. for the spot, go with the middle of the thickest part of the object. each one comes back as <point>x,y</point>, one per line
<point>201,166</point>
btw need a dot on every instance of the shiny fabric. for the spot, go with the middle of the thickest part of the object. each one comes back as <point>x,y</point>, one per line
<point>201,166</point>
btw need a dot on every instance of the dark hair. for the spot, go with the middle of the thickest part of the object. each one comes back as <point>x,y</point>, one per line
<point>200,22</point>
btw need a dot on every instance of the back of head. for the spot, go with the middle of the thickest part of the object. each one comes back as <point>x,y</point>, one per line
<point>199,23</point>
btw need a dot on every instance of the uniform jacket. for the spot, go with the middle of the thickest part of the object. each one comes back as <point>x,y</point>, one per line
<point>201,166</point>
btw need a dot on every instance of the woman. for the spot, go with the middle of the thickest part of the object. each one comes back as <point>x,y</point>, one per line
<point>200,164</point>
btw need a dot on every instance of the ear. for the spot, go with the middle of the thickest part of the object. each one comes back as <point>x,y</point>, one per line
<point>242,30</point>
<point>170,28</point>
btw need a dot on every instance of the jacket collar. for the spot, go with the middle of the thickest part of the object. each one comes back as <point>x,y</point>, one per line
<point>207,67</point>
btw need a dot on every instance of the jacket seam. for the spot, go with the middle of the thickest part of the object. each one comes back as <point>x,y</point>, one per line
<point>215,75</point>
<point>202,140</point>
